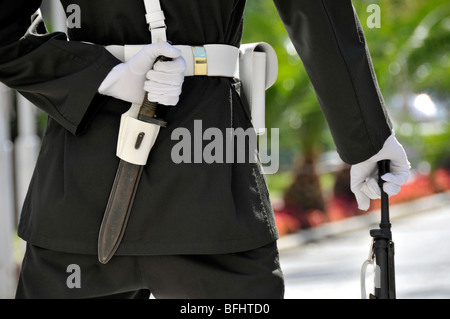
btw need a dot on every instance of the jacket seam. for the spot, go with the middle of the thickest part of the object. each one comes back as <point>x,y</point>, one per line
<point>352,81</point>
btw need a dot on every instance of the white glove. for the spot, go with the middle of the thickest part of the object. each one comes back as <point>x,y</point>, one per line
<point>364,176</point>
<point>130,80</point>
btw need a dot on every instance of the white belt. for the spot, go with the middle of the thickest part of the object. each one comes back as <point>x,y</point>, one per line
<point>255,64</point>
<point>208,60</point>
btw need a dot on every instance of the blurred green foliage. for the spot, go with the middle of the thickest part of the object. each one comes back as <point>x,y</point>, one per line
<point>411,56</point>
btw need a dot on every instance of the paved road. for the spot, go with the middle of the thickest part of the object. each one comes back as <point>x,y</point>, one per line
<point>330,268</point>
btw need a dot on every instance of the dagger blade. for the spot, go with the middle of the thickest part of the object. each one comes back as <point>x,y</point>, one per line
<point>123,192</point>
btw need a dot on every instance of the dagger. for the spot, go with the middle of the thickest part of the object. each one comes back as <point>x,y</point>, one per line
<point>120,202</point>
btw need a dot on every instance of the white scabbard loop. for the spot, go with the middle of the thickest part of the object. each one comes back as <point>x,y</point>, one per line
<point>136,138</point>
<point>258,71</point>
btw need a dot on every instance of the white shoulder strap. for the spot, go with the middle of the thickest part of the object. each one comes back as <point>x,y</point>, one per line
<point>156,20</point>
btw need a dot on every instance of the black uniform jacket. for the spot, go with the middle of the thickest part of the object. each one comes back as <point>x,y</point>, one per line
<point>185,208</point>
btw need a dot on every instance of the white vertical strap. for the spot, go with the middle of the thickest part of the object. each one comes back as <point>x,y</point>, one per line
<point>156,20</point>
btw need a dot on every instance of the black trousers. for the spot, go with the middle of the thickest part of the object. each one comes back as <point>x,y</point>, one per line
<point>254,274</point>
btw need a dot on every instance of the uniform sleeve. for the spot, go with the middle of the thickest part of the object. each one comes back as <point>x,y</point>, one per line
<point>331,43</point>
<point>61,77</point>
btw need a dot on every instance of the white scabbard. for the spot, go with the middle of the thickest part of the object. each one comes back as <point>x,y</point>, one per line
<point>258,71</point>
<point>136,138</point>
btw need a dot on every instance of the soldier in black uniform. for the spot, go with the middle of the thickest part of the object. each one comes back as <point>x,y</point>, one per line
<point>196,230</point>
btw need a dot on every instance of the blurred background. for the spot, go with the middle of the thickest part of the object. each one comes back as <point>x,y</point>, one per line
<point>410,50</point>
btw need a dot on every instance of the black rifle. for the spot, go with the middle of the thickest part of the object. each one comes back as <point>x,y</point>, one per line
<point>381,254</point>
<point>383,246</point>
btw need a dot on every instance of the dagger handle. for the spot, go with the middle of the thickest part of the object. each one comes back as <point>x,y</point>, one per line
<point>147,112</point>
<point>148,109</point>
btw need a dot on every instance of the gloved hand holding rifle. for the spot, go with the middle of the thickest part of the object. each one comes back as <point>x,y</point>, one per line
<point>380,177</point>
